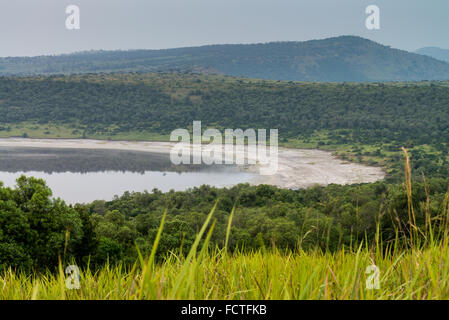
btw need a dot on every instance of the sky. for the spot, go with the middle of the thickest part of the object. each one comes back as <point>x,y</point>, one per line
<point>38,27</point>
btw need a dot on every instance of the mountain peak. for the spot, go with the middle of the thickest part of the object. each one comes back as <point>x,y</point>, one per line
<point>342,58</point>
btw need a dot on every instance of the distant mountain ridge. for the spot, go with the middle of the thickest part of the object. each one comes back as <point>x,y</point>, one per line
<point>345,58</point>
<point>435,52</point>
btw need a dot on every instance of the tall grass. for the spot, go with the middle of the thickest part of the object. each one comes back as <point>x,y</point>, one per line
<point>419,274</point>
<point>415,268</point>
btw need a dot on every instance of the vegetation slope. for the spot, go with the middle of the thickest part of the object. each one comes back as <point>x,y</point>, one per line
<point>345,58</point>
<point>362,122</point>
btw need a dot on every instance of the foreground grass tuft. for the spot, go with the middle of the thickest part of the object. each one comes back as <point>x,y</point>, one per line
<point>412,267</point>
<point>413,274</point>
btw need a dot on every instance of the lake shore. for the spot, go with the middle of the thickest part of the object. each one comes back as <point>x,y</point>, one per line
<point>297,168</point>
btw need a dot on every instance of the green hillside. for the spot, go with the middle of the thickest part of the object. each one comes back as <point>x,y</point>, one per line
<point>368,122</point>
<point>346,58</point>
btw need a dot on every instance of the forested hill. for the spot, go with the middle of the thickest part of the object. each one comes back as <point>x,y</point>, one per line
<point>160,103</point>
<point>345,58</point>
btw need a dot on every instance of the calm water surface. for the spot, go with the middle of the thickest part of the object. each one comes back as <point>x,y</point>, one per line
<point>79,176</point>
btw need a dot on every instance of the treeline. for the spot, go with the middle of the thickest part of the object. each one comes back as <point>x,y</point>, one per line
<point>367,113</point>
<point>386,116</point>
<point>36,231</point>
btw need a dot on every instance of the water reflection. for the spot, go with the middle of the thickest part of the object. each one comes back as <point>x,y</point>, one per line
<point>83,175</point>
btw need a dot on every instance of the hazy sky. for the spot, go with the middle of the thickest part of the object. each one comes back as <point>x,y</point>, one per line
<point>35,27</point>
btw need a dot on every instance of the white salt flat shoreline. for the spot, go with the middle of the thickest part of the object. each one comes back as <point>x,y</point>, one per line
<point>297,168</point>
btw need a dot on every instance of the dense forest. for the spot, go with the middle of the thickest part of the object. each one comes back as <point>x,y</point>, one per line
<point>36,231</point>
<point>363,121</point>
<point>369,122</point>
<point>346,58</point>
<point>163,102</point>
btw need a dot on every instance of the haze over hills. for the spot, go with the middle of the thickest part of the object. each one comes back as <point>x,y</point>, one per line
<point>345,58</point>
<point>435,52</point>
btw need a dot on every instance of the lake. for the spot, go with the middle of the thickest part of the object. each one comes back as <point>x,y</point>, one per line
<point>84,175</point>
<point>83,170</point>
